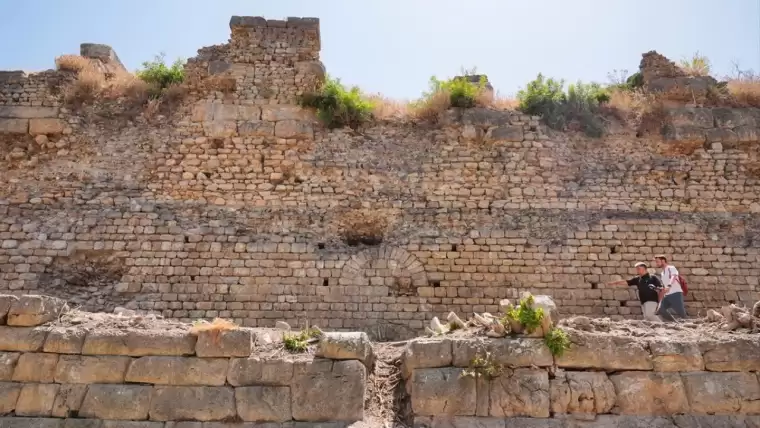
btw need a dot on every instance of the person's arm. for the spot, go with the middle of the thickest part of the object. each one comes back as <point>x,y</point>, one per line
<point>670,275</point>
<point>631,281</point>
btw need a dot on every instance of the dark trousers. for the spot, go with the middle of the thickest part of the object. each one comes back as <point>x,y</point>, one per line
<point>670,305</point>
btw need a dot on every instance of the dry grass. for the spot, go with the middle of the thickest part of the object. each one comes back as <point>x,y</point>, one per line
<point>746,91</point>
<point>388,109</point>
<point>430,108</point>
<point>642,110</point>
<point>697,65</point>
<point>217,325</point>
<point>364,226</point>
<point>500,102</point>
<point>72,63</point>
<point>86,88</point>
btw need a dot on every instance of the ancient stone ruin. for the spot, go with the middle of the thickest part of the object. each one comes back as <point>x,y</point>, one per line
<point>236,203</point>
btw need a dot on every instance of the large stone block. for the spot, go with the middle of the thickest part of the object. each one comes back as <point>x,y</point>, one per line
<point>508,352</point>
<point>479,422</point>
<point>32,310</point>
<point>735,356</point>
<point>220,129</point>
<point>652,394</point>
<point>443,391</point>
<point>23,339</point>
<point>35,367</point>
<point>346,346</point>
<point>132,424</point>
<point>64,340</point>
<point>590,351</point>
<point>68,401</point>
<point>9,393</point>
<point>46,126</point>
<point>522,392</point>
<point>257,371</point>
<point>691,116</point>
<point>255,128</point>
<point>278,112</point>
<point>505,133</point>
<point>90,423</point>
<point>295,129</point>
<point>6,301</point>
<point>583,394</point>
<point>344,379</point>
<point>138,343</point>
<point>36,399</point>
<point>18,422</point>
<point>225,343</point>
<point>426,353</point>
<point>87,369</point>
<point>263,403</point>
<point>672,356</point>
<point>195,403</point>
<point>733,117</point>
<point>26,112</point>
<point>14,126</point>
<point>8,362</point>
<point>626,421</point>
<point>178,371</point>
<point>716,421</point>
<point>120,402</point>
<point>722,393</point>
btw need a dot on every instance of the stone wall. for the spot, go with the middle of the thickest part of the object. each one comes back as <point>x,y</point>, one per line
<point>236,204</point>
<point>601,381</point>
<point>136,369</point>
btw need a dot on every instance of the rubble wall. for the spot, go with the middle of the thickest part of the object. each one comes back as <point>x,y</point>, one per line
<point>233,204</point>
<point>601,381</point>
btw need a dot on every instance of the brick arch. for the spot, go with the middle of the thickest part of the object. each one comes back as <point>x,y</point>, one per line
<point>392,267</point>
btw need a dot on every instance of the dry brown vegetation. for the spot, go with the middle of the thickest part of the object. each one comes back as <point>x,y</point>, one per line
<point>364,226</point>
<point>746,91</point>
<point>643,111</point>
<point>429,108</point>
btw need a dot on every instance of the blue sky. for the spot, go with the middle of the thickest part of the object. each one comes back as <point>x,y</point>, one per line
<point>394,46</point>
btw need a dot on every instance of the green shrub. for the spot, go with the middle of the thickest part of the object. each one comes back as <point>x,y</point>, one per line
<point>161,76</point>
<point>299,342</point>
<point>483,366</point>
<point>524,313</point>
<point>462,93</point>
<point>337,106</point>
<point>557,341</point>
<point>559,108</point>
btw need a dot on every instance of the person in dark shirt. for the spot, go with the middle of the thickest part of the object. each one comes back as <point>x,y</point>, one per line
<point>648,287</point>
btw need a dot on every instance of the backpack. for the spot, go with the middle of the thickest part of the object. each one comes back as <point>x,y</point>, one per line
<point>684,287</point>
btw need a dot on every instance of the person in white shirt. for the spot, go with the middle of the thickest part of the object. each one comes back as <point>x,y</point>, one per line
<point>672,300</point>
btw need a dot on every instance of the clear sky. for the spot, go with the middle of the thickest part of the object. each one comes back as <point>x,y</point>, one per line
<point>394,46</point>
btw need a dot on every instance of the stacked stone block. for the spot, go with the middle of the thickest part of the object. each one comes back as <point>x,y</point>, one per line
<point>602,380</point>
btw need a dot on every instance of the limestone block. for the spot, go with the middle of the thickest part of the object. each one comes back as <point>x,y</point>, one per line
<point>224,112</point>
<point>684,133</point>
<point>652,394</point>
<point>202,112</point>
<point>716,421</point>
<point>295,129</point>
<point>733,117</point>
<point>691,117</point>
<point>734,356</point>
<point>747,134</point>
<point>722,393</point>
<point>9,393</point>
<point>443,391</point>
<point>426,353</point>
<point>35,367</point>
<point>257,371</point>
<point>263,403</point>
<point>509,352</point>
<point>346,346</point>
<point>8,362</point>
<point>480,422</point>
<point>19,422</point>
<point>138,343</point>
<point>69,399</point>
<point>64,340</point>
<point>721,135</point>
<point>6,301</point>
<point>505,133</point>
<point>87,369</point>
<point>195,403</point>
<point>26,112</point>
<point>605,353</point>
<point>255,128</point>
<point>32,310</point>
<point>584,394</point>
<point>522,392</point>
<point>120,402</point>
<point>627,421</point>
<point>24,339</point>
<point>220,129</point>
<point>14,126</point>
<point>91,423</point>
<point>225,343</point>
<point>36,399</point>
<point>178,371</point>
<point>132,424</point>
<point>218,67</point>
<point>278,112</point>
<point>483,117</point>
<point>672,356</point>
<point>344,379</point>
<point>46,126</point>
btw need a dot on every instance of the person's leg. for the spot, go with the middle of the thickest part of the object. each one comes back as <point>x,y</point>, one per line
<point>677,305</point>
<point>664,312</point>
<point>649,309</point>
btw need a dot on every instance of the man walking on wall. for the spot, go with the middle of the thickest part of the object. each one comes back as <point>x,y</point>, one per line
<point>648,287</point>
<point>672,301</point>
